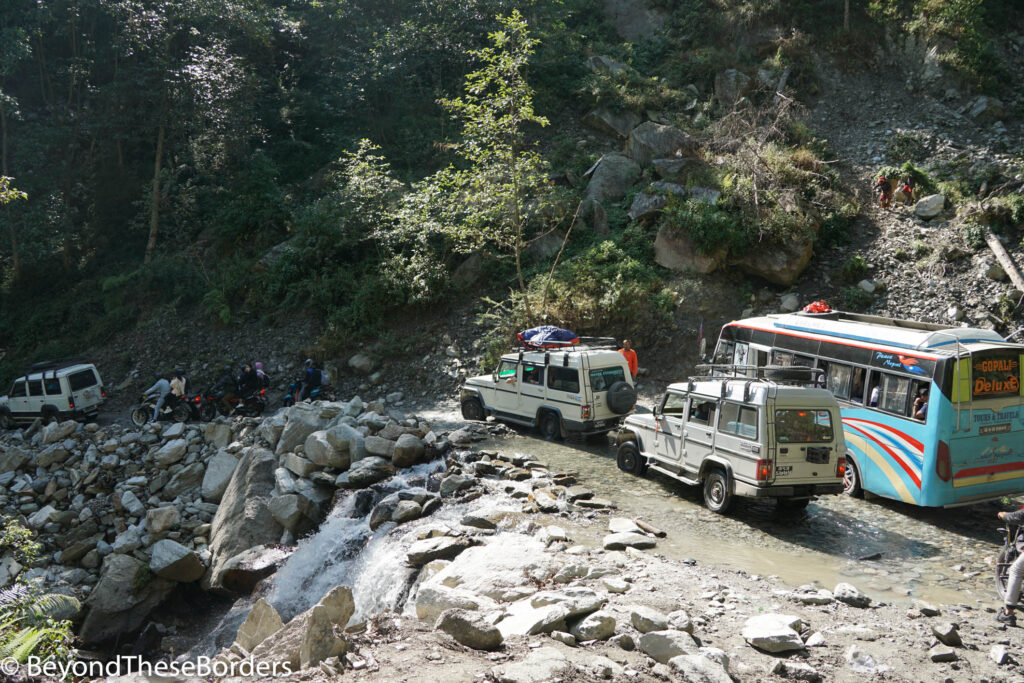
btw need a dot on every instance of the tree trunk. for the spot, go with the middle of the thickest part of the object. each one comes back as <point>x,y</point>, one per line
<point>15,256</point>
<point>154,214</point>
<point>846,15</point>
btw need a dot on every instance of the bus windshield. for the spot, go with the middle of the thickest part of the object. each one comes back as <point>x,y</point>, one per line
<point>803,426</point>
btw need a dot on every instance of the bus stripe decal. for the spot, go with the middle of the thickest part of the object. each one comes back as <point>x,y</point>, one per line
<point>902,463</point>
<point>904,451</point>
<point>909,439</point>
<point>987,478</point>
<point>872,454</point>
<point>990,469</point>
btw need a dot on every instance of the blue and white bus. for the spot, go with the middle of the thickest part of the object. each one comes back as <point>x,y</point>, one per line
<point>969,446</point>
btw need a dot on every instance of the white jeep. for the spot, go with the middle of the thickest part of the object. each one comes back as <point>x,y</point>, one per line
<point>743,437</point>
<point>53,391</point>
<point>582,390</point>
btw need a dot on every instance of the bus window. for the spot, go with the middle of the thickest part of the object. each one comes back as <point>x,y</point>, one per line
<point>839,378</point>
<point>874,390</point>
<point>857,387</point>
<point>895,394</point>
<point>915,390</point>
<point>726,349</point>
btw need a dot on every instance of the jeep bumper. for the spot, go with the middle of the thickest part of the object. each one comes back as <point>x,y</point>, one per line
<point>796,491</point>
<point>591,426</point>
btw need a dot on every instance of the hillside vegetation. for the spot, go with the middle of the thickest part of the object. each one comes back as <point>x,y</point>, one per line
<point>239,159</point>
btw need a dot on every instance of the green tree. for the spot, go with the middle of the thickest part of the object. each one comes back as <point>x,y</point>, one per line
<point>505,170</point>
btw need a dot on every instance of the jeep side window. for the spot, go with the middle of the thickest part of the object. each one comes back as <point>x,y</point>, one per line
<point>738,420</point>
<point>702,411</point>
<point>18,388</point>
<point>35,387</point>
<point>533,374</point>
<point>507,370</point>
<point>52,386</point>
<point>602,378</point>
<point>674,405</point>
<point>564,379</point>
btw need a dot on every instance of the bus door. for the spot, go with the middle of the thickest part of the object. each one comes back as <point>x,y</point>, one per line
<point>699,431</point>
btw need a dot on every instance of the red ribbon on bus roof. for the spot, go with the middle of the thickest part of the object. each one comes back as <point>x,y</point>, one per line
<point>817,307</point>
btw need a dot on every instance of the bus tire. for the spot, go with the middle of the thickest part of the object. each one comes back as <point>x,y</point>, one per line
<point>852,483</point>
<point>717,496</point>
<point>629,459</point>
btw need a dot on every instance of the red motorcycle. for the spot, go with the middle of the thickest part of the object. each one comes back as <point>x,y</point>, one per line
<point>251,405</point>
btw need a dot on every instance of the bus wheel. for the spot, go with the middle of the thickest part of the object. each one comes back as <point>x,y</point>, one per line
<point>851,480</point>
<point>717,496</point>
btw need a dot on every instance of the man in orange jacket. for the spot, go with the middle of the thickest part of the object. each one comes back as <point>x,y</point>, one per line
<point>630,354</point>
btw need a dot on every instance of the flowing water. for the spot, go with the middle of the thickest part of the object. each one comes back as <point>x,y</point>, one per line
<point>887,549</point>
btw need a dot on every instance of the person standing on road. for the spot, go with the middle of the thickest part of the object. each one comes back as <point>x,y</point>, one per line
<point>630,354</point>
<point>1015,575</point>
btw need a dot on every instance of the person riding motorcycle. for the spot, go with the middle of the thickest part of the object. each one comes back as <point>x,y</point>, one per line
<point>311,379</point>
<point>179,384</point>
<point>159,390</point>
<point>262,376</point>
<point>248,381</point>
<point>227,386</point>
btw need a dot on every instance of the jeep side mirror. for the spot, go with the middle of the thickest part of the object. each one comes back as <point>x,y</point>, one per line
<point>656,411</point>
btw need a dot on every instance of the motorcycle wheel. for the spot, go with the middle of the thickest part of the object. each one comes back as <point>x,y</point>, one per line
<point>207,412</point>
<point>180,413</point>
<point>140,416</point>
<point>254,409</point>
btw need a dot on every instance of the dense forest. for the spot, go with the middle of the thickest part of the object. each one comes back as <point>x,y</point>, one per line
<point>236,159</point>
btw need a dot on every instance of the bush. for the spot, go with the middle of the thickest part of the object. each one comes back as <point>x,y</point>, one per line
<point>711,228</point>
<point>906,146</point>
<point>856,299</point>
<point>853,270</point>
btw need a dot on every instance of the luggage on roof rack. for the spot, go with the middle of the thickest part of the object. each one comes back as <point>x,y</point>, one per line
<point>547,337</point>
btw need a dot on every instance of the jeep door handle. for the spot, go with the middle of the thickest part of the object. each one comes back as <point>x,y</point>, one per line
<point>686,433</point>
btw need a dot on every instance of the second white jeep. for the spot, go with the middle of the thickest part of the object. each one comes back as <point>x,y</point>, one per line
<point>576,390</point>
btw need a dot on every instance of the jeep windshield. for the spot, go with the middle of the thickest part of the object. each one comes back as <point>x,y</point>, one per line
<point>803,426</point>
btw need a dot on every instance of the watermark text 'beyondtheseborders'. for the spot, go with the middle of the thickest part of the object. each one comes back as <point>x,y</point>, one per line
<point>201,667</point>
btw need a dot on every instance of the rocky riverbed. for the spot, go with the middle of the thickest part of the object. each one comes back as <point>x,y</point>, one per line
<point>465,553</point>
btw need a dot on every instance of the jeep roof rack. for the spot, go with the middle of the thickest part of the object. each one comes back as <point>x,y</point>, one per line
<point>582,344</point>
<point>43,366</point>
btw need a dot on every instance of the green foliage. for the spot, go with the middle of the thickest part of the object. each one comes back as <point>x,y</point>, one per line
<point>17,540</point>
<point>974,234</point>
<point>906,146</point>
<point>28,627</point>
<point>712,229</point>
<point>855,299</point>
<point>853,270</point>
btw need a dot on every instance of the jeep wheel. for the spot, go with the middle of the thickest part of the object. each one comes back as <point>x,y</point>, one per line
<point>6,421</point>
<point>717,496</point>
<point>550,426</point>
<point>140,416</point>
<point>851,479</point>
<point>621,398</point>
<point>472,409</point>
<point>629,459</point>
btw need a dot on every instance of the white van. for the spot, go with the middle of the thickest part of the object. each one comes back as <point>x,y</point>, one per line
<point>742,437</point>
<point>579,390</point>
<point>53,391</point>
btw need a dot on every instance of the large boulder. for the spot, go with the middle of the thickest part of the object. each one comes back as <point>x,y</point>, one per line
<point>440,548</point>
<point>161,520</point>
<point>674,250</point>
<point>408,451</point>
<point>773,632</point>
<point>188,478</point>
<point>432,599</point>
<point>241,573</point>
<point>262,622</point>
<point>171,452</point>
<point>650,141</point>
<point>218,473</point>
<point>348,443</point>
<point>780,264</point>
<point>470,629</point>
<point>612,177</point>
<point>312,636</point>
<point>294,512</point>
<point>634,19</point>
<point>243,519</point>
<point>612,123</point>
<point>730,86</point>
<point>494,568</point>
<point>303,420</point>
<point>218,434</point>
<point>56,431</point>
<point>661,646</point>
<point>985,109</point>
<point>173,561</point>
<point>597,626</point>
<point>125,595</point>
<point>366,472</point>
<point>11,458</point>
<point>362,363</point>
<point>930,206</point>
<point>322,452</point>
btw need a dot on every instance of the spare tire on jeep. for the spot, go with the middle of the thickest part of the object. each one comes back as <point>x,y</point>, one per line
<point>621,398</point>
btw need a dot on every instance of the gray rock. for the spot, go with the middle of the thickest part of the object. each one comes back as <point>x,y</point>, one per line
<point>348,443</point>
<point>795,670</point>
<point>218,434</point>
<point>299,466</point>
<point>645,619</point>
<point>313,636</point>
<point>440,548</point>
<point>606,121</point>
<point>985,109</point>
<point>294,512</point>
<point>470,629</point>
<point>56,431</point>
<point>366,472</point>
<point>597,626</point>
<point>321,452</point>
<point>454,483</point>
<point>790,303</point>
<point>188,479</point>
<point>948,634</point>
<point>651,140</point>
<point>849,594</point>
<point>942,653</point>
<point>262,622</point>
<point>432,599</point>
<point>613,175</point>
<point>47,514</point>
<point>12,458</point>
<point>408,450</point>
<point>730,86</point>
<point>602,64</point>
<point>406,511</point>
<point>773,632</point>
<point>862,662</point>
<point>217,475</point>
<point>303,419</point>
<point>126,593</point>
<point>162,519</point>
<point>699,669</point>
<point>625,540</point>
<point>173,561</point>
<point>999,655</point>
<point>661,646</point>
<point>645,205</point>
<point>674,250</point>
<point>780,264</point>
<point>379,446</point>
<point>930,206</point>
<point>243,519</point>
<point>171,452</point>
<point>542,664</point>
<point>132,505</point>
<point>362,363</point>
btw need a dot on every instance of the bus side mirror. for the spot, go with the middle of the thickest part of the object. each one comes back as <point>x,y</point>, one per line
<point>703,351</point>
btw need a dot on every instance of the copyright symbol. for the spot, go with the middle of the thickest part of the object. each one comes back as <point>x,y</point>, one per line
<point>9,666</point>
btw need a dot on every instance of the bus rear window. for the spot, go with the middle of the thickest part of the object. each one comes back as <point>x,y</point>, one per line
<point>803,426</point>
<point>995,374</point>
<point>83,379</point>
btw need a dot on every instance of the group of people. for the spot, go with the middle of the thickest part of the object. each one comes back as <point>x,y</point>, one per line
<point>251,380</point>
<point>904,190</point>
<point>175,387</point>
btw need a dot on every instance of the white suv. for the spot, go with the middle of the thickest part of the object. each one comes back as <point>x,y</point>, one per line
<point>741,438</point>
<point>52,391</point>
<point>581,390</point>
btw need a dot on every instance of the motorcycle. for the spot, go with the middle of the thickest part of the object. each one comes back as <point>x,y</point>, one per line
<point>174,408</point>
<point>1012,548</point>
<point>251,405</point>
<point>324,392</point>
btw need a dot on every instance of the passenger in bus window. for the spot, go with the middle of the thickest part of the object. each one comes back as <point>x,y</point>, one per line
<point>873,400</point>
<point>921,405</point>
<point>857,393</point>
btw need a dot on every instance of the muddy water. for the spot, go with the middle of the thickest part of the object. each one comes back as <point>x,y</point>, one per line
<point>890,550</point>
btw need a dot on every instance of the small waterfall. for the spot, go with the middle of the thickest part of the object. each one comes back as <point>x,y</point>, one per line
<point>345,551</point>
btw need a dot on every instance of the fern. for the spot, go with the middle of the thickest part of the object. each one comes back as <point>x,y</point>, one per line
<point>28,624</point>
